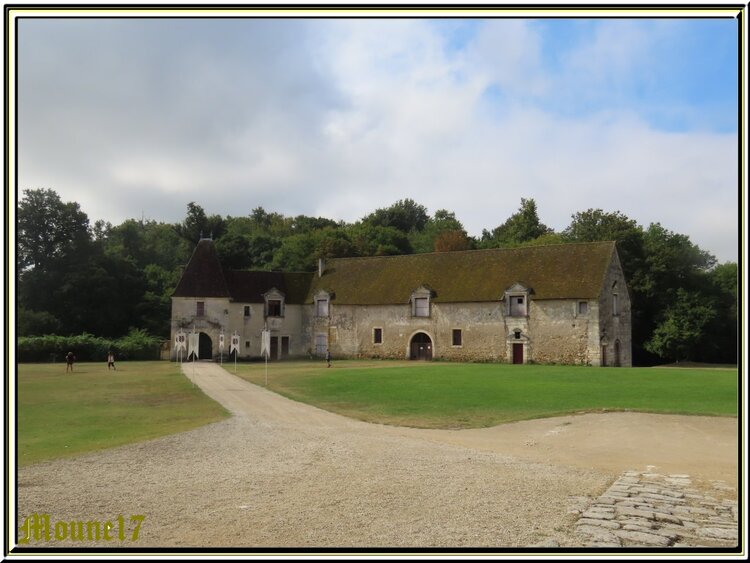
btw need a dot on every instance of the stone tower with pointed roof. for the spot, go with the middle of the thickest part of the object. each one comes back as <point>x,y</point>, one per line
<point>565,303</point>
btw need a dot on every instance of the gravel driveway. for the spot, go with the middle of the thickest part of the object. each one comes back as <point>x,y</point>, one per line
<point>283,474</point>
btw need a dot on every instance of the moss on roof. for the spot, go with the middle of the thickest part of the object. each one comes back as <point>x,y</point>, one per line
<point>562,271</point>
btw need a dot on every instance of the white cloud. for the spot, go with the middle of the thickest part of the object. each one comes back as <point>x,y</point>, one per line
<point>338,117</point>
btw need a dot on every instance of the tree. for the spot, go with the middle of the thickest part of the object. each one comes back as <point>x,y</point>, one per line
<point>369,240</point>
<point>683,327</point>
<point>524,225</point>
<point>198,225</point>
<point>443,221</point>
<point>405,215</point>
<point>48,229</point>
<point>449,241</point>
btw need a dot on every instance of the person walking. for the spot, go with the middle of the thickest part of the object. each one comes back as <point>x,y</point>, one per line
<point>328,357</point>
<point>69,359</point>
<point>111,361</point>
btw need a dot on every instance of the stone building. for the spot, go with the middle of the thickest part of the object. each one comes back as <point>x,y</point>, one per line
<point>566,304</point>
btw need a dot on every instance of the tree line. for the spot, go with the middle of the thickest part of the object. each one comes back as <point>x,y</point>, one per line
<point>75,277</point>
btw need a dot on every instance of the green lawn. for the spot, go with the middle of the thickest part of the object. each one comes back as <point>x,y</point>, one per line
<point>450,395</point>
<point>61,414</point>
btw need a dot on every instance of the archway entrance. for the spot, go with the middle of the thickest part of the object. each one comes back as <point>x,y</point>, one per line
<point>421,347</point>
<point>205,347</point>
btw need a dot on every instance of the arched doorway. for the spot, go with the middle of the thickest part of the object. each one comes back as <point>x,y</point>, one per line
<point>205,347</point>
<point>421,347</point>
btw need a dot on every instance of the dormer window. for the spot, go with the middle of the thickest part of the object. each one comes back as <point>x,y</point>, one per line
<point>322,303</point>
<point>274,303</point>
<point>517,300</point>
<point>420,302</point>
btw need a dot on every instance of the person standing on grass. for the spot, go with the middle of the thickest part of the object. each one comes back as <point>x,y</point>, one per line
<point>328,357</point>
<point>69,359</point>
<point>111,361</point>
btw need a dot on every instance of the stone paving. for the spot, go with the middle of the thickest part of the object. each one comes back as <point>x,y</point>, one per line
<point>644,509</point>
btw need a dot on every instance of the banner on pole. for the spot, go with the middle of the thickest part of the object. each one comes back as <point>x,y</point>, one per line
<point>193,346</point>
<point>221,342</point>
<point>179,341</point>
<point>234,346</point>
<point>265,343</point>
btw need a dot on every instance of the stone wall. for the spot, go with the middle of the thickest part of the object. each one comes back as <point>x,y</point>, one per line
<point>220,313</point>
<point>559,334</point>
<point>615,326</point>
<point>554,331</point>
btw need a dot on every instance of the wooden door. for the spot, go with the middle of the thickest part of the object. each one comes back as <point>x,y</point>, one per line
<point>284,347</point>
<point>517,353</point>
<point>274,348</point>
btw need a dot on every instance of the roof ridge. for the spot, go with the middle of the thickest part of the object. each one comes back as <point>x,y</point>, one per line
<point>477,250</point>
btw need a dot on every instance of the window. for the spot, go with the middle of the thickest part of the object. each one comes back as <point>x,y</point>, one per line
<point>321,307</point>
<point>518,306</point>
<point>517,334</point>
<point>274,307</point>
<point>421,307</point>
<point>583,307</point>
<point>615,304</point>
<point>247,344</point>
<point>377,336</point>
<point>200,309</point>
<point>247,310</point>
<point>457,337</point>
<point>321,344</point>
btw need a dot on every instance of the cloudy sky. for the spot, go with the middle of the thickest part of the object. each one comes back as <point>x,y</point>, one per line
<point>337,117</point>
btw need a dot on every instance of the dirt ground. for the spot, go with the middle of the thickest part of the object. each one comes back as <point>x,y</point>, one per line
<point>284,474</point>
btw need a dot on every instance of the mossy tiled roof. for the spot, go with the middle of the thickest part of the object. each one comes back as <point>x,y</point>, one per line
<point>563,271</point>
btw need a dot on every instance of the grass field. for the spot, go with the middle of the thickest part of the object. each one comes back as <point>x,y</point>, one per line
<point>449,395</point>
<point>63,414</point>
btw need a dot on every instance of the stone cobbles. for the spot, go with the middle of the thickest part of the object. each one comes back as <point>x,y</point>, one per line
<point>645,509</point>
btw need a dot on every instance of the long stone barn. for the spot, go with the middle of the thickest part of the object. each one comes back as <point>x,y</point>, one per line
<point>565,304</point>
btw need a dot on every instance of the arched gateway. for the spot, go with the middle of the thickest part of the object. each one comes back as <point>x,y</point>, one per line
<point>420,347</point>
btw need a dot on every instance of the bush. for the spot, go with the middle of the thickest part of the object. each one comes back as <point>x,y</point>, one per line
<point>137,345</point>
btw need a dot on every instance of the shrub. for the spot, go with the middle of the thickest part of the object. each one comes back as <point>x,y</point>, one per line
<point>137,345</point>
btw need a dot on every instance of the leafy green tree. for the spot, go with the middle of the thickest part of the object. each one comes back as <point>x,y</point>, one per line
<point>524,225</point>
<point>405,215</point>
<point>369,240</point>
<point>442,222</point>
<point>682,327</point>
<point>49,229</point>
<point>198,225</point>
<point>234,251</point>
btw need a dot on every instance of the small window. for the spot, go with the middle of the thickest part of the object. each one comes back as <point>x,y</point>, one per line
<point>274,307</point>
<point>517,334</point>
<point>200,308</point>
<point>583,307</point>
<point>457,337</point>
<point>421,307</point>
<point>321,307</point>
<point>377,336</point>
<point>615,304</point>
<point>247,310</point>
<point>247,344</point>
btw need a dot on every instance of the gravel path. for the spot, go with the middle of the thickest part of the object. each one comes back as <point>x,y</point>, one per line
<point>284,474</point>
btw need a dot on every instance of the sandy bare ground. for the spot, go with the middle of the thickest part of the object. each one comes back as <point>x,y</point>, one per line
<point>284,474</point>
